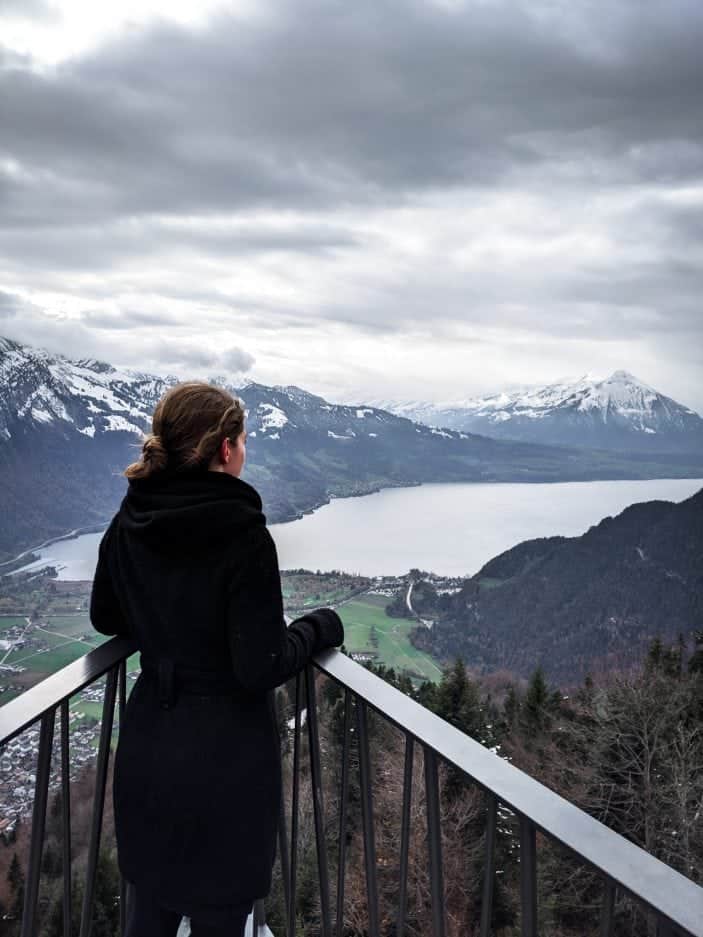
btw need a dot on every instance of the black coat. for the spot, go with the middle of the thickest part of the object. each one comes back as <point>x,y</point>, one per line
<point>188,569</point>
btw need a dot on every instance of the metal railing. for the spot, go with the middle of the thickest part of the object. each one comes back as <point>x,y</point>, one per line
<point>675,901</point>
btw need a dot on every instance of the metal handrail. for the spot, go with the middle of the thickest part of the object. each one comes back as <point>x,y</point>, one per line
<point>29,707</point>
<point>630,867</point>
<point>676,900</point>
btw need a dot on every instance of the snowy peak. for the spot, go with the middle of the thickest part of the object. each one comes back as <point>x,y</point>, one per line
<point>91,397</point>
<point>87,396</point>
<point>615,412</point>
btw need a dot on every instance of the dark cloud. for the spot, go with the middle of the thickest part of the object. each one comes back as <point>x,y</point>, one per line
<point>12,306</point>
<point>325,103</point>
<point>183,356</point>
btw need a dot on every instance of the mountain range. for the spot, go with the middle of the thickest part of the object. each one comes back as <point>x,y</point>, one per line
<point>576,605</point>
<point>69,427</point>
<point>619,412</point>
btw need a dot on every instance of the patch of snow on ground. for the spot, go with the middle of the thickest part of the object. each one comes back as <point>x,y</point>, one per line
<point>41,416</point>
<point>271,417</point>
<point>117,423</point>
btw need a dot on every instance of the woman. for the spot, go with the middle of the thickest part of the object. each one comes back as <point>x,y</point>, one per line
<point>189,570</point>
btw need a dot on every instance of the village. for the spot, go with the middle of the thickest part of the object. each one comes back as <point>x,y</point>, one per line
<point>45,625</point>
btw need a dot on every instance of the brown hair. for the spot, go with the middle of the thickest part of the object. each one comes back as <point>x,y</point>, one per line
<point>189,423</point>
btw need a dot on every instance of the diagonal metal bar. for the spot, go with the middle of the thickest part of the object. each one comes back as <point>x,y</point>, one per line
<point>41,792</point>
<point>489,868</point>
<point>66,817</point>
<point>528,877</point>
<point>405,834</point>
<point>30,706</point>
<point>434,842</point>
<point>295,796</point>
<point>635,872</point>
<point>607,915</point>
<point>98,801</point>
<point>343,798</point>
<point>317,802</point>
<point>367,818</point>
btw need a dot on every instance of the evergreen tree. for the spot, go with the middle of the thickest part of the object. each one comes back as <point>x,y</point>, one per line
<point>538,701</point>
<point>458,700</point>
<point>511,708</point>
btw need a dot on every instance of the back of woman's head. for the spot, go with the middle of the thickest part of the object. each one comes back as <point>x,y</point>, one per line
<point>189,423</point>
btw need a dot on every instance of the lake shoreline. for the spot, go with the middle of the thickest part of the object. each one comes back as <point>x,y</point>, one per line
<point>450,528</point>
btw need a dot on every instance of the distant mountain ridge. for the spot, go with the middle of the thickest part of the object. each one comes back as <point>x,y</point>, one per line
<point>619,412</point>
<point>68,429</point>
<point>572,604</point>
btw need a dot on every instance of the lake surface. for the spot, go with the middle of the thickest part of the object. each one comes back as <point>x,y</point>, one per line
<point>450,529</point>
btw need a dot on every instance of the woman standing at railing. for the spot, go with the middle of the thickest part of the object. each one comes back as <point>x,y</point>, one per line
<point>189,570</point>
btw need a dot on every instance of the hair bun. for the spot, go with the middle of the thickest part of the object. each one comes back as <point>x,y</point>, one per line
<point>154,452</point>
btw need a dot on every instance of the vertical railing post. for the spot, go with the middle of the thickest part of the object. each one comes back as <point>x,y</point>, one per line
<point>608,909</point>
<point>343,797</point>
<point>258,917</point>
<point>528,877</point>
<point>41,791</point>
<point>121,703</point>
<point>317,803</point>
<point>405,834</point>
<point>489,868</point>
<point>283,853</point>
<point>66,817</point>
<point>98,801</point>
<point>434,842</point>
<point>295,795</point>
<point>367,817</point>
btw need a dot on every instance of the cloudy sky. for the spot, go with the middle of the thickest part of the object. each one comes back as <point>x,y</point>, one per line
<point>371,199</point>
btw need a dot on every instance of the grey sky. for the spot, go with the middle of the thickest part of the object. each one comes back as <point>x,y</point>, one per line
<point>370,199</point>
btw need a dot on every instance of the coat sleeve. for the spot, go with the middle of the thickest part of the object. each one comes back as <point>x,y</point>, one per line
<point>105,612</point>
<point>264,651</point>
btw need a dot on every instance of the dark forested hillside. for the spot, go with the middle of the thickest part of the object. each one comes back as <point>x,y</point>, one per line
<point>574,605</point>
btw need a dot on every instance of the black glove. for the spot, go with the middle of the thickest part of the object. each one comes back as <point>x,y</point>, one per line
<point>329,630</point>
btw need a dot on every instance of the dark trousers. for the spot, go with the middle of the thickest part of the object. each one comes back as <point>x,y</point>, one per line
<point>147,918</point>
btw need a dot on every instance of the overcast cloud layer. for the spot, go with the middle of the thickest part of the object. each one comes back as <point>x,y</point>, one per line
<point>409,199</point>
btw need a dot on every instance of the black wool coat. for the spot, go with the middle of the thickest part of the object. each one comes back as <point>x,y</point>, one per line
<point>189,570</point>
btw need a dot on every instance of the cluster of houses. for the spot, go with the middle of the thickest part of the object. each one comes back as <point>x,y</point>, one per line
<point>18,760</point>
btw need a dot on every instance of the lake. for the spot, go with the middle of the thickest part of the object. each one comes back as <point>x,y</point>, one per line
<point>450,529</point>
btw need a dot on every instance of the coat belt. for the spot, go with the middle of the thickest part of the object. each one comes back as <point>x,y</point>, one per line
<point>173,680</point>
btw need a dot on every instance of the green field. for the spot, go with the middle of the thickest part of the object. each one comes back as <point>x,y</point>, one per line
<point>75,624</point>
<point>9,621</point>
<point>86,708</point>
<point>64,645</point>
<point>393,635</point>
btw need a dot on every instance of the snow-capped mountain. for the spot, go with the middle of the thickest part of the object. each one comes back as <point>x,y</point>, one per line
<point>87,396</point>
<point>69,428</point>
<point>618,412</point>
<point>94,398</point>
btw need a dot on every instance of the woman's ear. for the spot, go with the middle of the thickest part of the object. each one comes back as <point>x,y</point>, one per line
<point>223,454</point>
<point>226,450</point>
